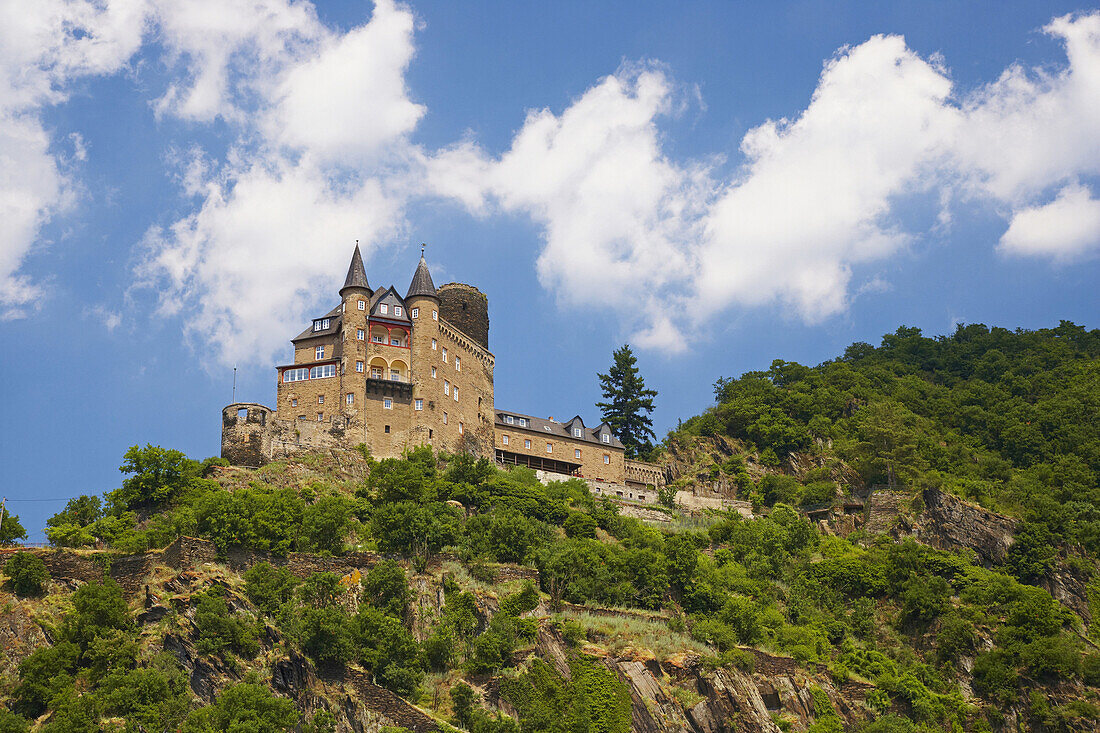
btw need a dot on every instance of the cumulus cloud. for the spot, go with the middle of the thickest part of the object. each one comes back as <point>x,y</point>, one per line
<point>323,152</point>
<point>44,47</point>
<point>275,221</point>
<point>816,195</point>
<point>1067,228</point>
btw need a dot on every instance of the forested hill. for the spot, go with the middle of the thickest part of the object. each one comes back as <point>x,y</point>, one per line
<point>1007,419</point>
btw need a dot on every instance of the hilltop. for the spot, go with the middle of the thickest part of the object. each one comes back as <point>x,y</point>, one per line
<point>904,538</point>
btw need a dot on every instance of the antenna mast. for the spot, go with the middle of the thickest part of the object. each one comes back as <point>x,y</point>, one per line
<point>234,384</point>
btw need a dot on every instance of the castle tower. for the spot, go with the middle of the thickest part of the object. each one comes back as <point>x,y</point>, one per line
<point>355,303</point>
<point>423,304</point>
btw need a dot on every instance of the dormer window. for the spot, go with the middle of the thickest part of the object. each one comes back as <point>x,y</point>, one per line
<point>509,419</point>
<point>383,309</point>
<point>321,324</point>
<point>397,310</point>
<point>577,432</point>
<point>523,422</point>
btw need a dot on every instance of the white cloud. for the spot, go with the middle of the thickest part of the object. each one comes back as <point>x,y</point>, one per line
<point>44,46</point>
<point>1064,229</point>
<point>276,221</point>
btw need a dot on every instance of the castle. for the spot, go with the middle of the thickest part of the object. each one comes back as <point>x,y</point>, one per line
<point>394,372</point>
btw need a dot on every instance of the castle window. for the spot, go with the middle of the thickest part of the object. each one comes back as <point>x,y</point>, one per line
<point>523,422</point>
<point>458,364</point>
<point>456,393</point>
<point>358,366</point>
<point>605,437</point>
<point>362,305</point>
<point>320,324</point>
<point>383,309</point>
<point>433,372</point>
<point>446,387</point>
<point>387,429</point>
<point>376,372</point>
<point>320,372</point>
<point>527,444</point>
<point>397,310</point>
<point>295,375</point>
<point>549,447</point>
<point>435,345</point>
<point>606,459</point>
<point>360,334</point>
<point>395,375</point>
<point>320,417</point>
<point>576,452</point>
<point>418,404</point>
<point>444,418</point>
<point>395,342</point>
<point>387,403</point>
<point>435,315</point>
<point>504,440</point>
<point>320,352</point>
<point>415,312</point>
<point>461,428</point>
<point>378,338</point>
<point>444,354</point>
<point>350,398</point>
<point>293,401</point>
<point>576,432</point>
<point>508,419</point>
<point>320,399</point>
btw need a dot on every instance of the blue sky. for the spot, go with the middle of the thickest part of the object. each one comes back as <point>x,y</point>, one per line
<point>720,184</point>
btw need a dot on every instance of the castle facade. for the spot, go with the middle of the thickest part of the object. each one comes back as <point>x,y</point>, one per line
<point>395,372</point>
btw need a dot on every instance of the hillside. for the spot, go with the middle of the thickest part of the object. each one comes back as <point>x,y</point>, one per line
<point>920,555</point>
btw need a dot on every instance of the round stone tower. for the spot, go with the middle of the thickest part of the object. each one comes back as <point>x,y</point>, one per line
<point>246,434</point>
<point>466,308</point>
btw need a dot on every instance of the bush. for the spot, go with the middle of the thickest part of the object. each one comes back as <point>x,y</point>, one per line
<point>579,525</point>
<point>218,630</point>
<point>12,723</point>
<point>248,707</point>
<point>269,587</point>
<point>98,608</point>
<point>27,572</point>
<point>995,676</point>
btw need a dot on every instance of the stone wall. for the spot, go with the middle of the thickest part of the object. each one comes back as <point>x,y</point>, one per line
<point>467,308</point>
<point>246,434</point>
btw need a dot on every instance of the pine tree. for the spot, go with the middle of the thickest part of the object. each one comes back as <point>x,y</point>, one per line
<point>628,403</point>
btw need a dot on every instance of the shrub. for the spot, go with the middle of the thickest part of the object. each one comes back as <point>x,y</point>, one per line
<point>269,587</point>
<point>579,525</point>
<point>246,707</point>
<point>27,572</point>
<point>387,589</point>
<point>218,630</point>
<point>463,700</point>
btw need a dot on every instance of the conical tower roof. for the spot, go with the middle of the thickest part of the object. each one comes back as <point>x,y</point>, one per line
<point>357,275</point>
<point>422,282</point>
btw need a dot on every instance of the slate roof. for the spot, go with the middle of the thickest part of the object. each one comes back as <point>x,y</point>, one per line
<point>357,274</point>
<point>559,429</point>
<point>335,317</point>
<point>422,282</point>
<point>390,297</point>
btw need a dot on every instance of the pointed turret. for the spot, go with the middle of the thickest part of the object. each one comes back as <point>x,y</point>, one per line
<point>357,275</point>
<point>422,285</point>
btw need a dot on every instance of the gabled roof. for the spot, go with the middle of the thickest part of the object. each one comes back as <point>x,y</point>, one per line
<point>422,282</point>
<point>557,429</point>
<point>390,298</point>
<point>357,275</point>
<point>335,318</point>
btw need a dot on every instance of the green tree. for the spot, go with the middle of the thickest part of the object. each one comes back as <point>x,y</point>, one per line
<point>269,587</point>
<point>628,403</point>
<point>158,475</point>
<point>463,700</point>
<point>325,523</point>
<point>27,572</point>
<point>387,589</point>
<point>248,707</point>
<point>98,608</point>
<point>11,530</point>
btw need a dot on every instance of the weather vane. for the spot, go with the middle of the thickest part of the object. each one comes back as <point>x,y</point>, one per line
<point>422,246</point>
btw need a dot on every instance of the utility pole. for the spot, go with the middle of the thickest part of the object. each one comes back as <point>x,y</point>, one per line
<point>3,506</point>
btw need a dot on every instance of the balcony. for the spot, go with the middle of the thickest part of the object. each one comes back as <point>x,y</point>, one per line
<point>389,387</point>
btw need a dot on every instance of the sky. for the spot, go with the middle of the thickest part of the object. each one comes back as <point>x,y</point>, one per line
<point>718,184</point>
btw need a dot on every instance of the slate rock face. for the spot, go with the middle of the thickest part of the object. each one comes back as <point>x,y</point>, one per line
<point>949,523</point>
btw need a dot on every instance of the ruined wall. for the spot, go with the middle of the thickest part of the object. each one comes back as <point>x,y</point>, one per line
<point>246,434</point>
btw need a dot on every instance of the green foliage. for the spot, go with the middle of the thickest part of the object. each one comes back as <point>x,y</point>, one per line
<point>10,529</point>
<point>43,675</point>
<point>594,700</point>
<point>628,403</point>
<point>386,588</point>
<point>324,524</point>
<point>579,525</point>
<point>218,630</point>
<point>247,707</point>
<point>98,609</point>
<point>27,572</point>
<point>463,700</point>
<point>12,723</point>
<point>158,475</point>
<point>387,649</point>
<point>269,587</point>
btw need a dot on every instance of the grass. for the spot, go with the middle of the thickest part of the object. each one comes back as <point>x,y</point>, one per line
<point>467,582</point>
<point>618,634</point>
